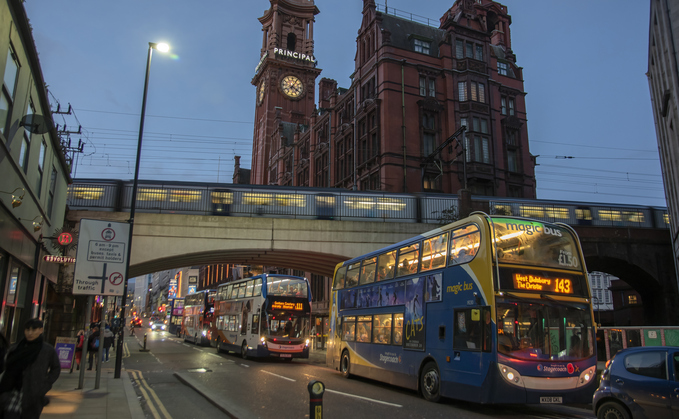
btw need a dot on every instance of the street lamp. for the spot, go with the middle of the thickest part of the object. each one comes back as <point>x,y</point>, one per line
<point>162,47</point>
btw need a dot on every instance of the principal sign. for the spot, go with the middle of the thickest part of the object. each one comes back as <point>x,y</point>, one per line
<point>102,258</point>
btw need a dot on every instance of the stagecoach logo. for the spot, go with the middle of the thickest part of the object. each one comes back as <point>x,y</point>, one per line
<point>390,357</point>
<point>557,368</point>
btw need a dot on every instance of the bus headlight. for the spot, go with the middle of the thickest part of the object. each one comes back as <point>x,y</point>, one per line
<point>263,340</point>
<point>204,332</point>
<point>307,343</point>
<point>511,375</point>
<point>586,376</point>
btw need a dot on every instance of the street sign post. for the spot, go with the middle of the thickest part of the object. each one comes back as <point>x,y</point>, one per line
<point>101,258</point>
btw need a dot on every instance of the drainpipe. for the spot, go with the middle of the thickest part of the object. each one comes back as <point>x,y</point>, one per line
<point>403,122</point>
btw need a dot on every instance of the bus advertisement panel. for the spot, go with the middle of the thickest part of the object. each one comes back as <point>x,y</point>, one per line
<point>266,315</point>
<point>487,309</point>
<point>197,316</point>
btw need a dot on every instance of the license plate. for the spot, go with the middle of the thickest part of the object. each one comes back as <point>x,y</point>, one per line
<point>551,400</point>
<point>286,355</point>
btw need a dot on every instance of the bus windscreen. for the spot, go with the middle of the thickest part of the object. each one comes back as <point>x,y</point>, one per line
<point>286,287</point>
<point>534,243</point>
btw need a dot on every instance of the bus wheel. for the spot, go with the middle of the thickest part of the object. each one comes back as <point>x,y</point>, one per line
<point>430,382</point>
<point>244,350</point>
<point>344,364</point>
<point>185,337</point>
<point>219,350</point>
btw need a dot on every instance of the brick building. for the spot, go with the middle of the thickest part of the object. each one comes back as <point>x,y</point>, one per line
<point>414,86</point>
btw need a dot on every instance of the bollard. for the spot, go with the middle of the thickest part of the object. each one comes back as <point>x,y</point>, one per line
<point>144,349</point>
<point>316,390</point>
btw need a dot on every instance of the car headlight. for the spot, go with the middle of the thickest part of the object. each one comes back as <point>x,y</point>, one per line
<point>511,375</point>
<point>204,332</point>
<point>586,376</point>
<point>163,327</point>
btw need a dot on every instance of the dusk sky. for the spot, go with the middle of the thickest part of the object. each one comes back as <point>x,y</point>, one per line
<point>584,74</point>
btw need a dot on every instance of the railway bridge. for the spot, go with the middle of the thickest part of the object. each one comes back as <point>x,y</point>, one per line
<point>642,257</point>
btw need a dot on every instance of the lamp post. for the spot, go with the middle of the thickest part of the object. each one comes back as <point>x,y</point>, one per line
<point>133,202</point>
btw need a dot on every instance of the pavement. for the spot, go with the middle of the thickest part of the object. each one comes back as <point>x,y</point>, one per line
<point>115,397</point>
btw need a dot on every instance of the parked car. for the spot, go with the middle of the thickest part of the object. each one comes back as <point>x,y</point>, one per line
<point>638,383</point>
<point>158,326</point>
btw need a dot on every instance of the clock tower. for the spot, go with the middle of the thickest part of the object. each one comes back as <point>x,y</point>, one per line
<point>285,80</point>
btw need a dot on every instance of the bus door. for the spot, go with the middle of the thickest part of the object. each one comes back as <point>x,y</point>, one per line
<point>471,337</point>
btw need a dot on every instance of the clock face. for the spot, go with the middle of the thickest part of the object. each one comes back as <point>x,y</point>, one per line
<point>292,86</point>
<point>260,93</point>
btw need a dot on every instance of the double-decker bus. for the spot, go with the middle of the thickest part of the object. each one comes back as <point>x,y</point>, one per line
<point>488,309</point>
<point>265,315</point>
<point>197,316</point>
<point>175,315</point>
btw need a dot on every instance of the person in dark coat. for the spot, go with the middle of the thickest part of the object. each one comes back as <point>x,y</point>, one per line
<point>32,367</point>
<point>91,350</point>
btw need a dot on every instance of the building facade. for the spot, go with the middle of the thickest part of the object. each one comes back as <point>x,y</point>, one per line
<point>34,176</point>
<point>413,88</point>
<point>663,81</point>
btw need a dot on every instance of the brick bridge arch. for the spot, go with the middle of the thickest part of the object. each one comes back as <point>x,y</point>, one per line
<point>642,258</point>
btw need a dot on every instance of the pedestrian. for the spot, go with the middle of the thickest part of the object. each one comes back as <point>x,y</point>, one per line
<point>108,342</point>
<point>92,345</point>
<point>79,347</point>
<point>32,368</point>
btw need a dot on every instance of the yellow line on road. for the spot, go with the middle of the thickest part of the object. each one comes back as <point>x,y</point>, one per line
<point>139,377</point>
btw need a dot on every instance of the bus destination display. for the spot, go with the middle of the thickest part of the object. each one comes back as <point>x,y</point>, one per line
<point>282,305</point>
<point>530,282</point>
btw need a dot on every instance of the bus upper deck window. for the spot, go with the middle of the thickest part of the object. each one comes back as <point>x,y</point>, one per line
<point>352,275</point>
<point>385,265</point>
<point>368,271</point>
<point>339,278</point>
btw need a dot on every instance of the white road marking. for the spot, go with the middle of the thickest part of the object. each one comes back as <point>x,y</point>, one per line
<point>243,365</point>
<point>362,398</point>
<point>279,376</point>
<point>215,355</point>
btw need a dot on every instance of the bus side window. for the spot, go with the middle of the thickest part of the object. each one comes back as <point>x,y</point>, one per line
<point>464,244</point>
<point>397,338</point>
<point>386,262</point>
<point>349,329</point>
<point>255,324</point>
<point>352,275</point>
<point>434,252</point>
<point>368,271</point>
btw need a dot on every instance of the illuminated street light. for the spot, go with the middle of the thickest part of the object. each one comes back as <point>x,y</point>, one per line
<point>133,200</point>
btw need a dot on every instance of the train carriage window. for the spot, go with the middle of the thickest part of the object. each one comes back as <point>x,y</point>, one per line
<point>364,328</point>
<point>219,197</point>
<point>464,244</point>
<point>290,200</point>
<point>258,287</point>
<point>349,328</point>
<point>249,288</point>
<point>368,271</point>
<point>339,278</point>
<point>87,192</point>
<point>352,275</point>
<point>408,259</point>
<point>434,252</point>
<point>259,199</point>
<point>185,195</point>
<point>382,329</point>
<point>391,204</point>
<point>385,265</point>
<point>397,338</point>
<point>148,194</point>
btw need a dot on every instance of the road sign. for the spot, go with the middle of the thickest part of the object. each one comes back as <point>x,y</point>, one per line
<point>102,258</point>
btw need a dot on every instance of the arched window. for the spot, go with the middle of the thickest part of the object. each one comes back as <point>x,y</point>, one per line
<point>292,41</point>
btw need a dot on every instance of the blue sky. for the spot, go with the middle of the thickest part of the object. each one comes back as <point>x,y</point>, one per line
<point>584,73</point>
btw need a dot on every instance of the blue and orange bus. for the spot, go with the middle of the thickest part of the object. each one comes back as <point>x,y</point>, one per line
<point>488,309</point>
<point>263,316</point>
